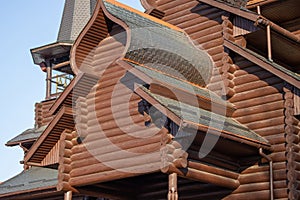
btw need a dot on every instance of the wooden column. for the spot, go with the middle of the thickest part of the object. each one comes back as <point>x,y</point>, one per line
<point>68,195</point>
<point>48,80</point>
<point>173,195</point>
<point>269,43</point>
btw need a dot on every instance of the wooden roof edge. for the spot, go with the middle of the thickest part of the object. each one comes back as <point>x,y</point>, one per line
<point>228,135</point>
<point>26,192</point>
<point>229,106</point>
<point>262,63</point>
<point>80,37</point>
<point>41,139</point>
<point>11,144</point>
<point>242,13</point>
<point>189,124</point>
<point>256,18</point>
<point>208,174</point>
<point>145,15</point>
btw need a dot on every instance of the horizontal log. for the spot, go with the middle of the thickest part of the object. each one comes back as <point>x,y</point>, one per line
<point>260,92</point>
<point>266,123</point>
<point>215,50</point>
<point>258,101</point>
<point>201,26</point>
<point>259,177</point>
<point>171,7</point>
<point>116,103</point>
<point>117,106</point>
<point>250,72</point>
<point>276,139</point>
<point>248,86</point>
<point>204,32</point>
<point>259,116</point>
<point>93,157</point>
<point>210,37</point>
<point>279,148</point>
<point>127,161</point>
<point>245,68</point>
<point>137,132</point>
<point>106,125</point>
<point>258,195</point>
<point>114,174</point>
<point>216,160</point>
<point>277,105</point>
<point>214,170</point>
<point>259,186</point>
<point>264,168</point>
<point>208,178</point>
<point>213,43</point>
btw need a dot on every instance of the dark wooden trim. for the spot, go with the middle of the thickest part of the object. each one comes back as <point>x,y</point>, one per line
<point>30,193</point>
<point>245,14</point>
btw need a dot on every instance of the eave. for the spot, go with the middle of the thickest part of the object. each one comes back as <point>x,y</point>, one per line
<point>185,123</point>
<point>39,54</point>
<point>63,120</point>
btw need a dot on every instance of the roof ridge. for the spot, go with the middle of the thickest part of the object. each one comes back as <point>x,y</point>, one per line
<point>154,19</point>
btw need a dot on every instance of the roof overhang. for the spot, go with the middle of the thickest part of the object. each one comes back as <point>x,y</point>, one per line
<point>42,53</point>
<point>63,120</point>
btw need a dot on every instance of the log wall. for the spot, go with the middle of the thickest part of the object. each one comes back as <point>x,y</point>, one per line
<point>256,93</point>
<point>42,114</point>
<point>116,143</point>
<point>292,131</point>
<point>260,106</point>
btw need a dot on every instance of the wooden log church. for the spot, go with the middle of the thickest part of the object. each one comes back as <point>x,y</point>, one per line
<point>191,99</point>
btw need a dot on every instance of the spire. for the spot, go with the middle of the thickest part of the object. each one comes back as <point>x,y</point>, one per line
<point>75,16</point>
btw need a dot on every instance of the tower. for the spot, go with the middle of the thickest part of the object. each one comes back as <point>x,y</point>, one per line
<point>53,58</point>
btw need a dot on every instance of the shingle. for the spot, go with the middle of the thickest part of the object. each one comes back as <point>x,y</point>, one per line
<point>163,48</point>
<point>33,178</point>
<point>75,16</point>
<point>203,92</point>
<point>29,134</point>
<point>206,118</point>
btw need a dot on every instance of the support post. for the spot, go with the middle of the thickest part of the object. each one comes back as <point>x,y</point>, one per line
<point>258,10</point>
<point>269,43</point>
<point>48,80</point>
<point>173,194</point>
<point>68,195</point>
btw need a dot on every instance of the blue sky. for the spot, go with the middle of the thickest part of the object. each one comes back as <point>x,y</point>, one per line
<point>24,25</point>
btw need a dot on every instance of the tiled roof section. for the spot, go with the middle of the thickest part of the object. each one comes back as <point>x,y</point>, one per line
<point>162,46</point>
<point>75,16</point>
<point>31,179</point>
<point>29,134</point>
<point>193,89</point>
<point>206,118</point>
